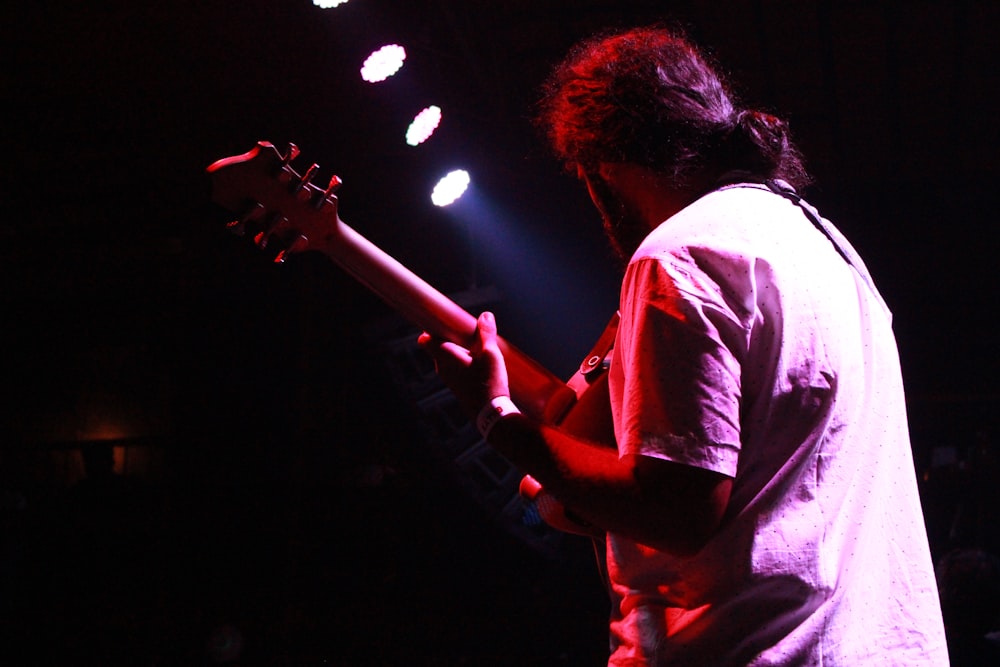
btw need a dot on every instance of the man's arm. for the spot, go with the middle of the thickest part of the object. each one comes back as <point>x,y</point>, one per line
<point>662,504</point>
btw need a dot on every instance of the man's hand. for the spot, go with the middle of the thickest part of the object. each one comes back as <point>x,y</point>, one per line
<point>474,375</point>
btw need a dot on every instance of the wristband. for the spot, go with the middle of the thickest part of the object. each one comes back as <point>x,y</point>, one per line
<point>494,411</point>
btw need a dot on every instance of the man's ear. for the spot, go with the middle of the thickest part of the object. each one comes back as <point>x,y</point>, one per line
<point>625,179</point>
<point>610,171</point>
<point>623,173</point>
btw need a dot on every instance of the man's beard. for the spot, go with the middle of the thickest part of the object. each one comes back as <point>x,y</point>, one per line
<point>623,225</point>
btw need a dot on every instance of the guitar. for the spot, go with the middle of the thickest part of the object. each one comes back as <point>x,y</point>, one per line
<point>279,207</point>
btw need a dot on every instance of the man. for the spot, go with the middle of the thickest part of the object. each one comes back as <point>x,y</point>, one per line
<point>761,507</point>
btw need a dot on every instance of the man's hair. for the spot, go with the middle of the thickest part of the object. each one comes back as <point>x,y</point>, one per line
<point>649,97</point>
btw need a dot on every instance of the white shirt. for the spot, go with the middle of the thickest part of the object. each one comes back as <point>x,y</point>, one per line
<point>748,346</point>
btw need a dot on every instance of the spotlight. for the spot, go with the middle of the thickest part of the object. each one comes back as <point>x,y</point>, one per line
<point>383,63</point>
<point>423,125</point>
<point>450,188</point>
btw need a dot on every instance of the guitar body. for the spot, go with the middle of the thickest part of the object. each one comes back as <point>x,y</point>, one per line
<point>282,209</point>
<point>589,418</point>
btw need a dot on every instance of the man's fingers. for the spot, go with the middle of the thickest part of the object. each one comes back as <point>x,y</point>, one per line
<point>455,351</point>
<point>444,353</point>
<point>487,324</point>
<point>486,332</point>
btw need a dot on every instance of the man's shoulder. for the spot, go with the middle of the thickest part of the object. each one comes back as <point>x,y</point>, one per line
<point>733,220</point>
<point>736,202</point>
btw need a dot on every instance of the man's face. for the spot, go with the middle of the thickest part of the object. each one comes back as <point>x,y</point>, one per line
<point>623,225</point>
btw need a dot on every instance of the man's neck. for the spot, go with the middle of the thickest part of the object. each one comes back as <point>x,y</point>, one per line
<point>654,197</point>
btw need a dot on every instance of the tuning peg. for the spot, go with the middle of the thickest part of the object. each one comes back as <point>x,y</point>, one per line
<point>264,236</point>
<point>321,198</point>
<point>290,154</point>
<point>236,227</point>
<point>298,245</point>
<point>305,179</point>
<point>253,212</point>
<point>334,185</point>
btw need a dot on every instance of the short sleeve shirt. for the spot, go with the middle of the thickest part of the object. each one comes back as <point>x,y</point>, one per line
<point>748,346</point>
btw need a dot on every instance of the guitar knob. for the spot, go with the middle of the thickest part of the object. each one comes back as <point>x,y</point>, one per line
<point>273,223</point>
<point>305,179</point>
<point>334,185</point>
<point>292,153</point>
<point>321,198</point>
<point>239,226</point>
<point>298,245</point>
<point>236,227</point>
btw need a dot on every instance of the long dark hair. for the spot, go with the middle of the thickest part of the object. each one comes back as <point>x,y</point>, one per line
<point>649,96</point>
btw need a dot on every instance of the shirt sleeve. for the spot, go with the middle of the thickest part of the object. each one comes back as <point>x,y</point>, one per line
<point>680,382</point>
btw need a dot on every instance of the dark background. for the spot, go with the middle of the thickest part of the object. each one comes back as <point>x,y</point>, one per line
<point>293,485</point>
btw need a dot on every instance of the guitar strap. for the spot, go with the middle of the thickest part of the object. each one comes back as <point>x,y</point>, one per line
<point>839,241</point>
<point>599,358</point>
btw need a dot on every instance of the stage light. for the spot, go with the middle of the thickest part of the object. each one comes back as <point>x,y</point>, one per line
<point>450,188</point>
<point>383,63</point>
<point>423,125</point>
<point>329,4</point>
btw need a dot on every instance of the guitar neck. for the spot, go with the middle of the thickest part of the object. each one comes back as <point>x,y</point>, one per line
<point>535,390</point>
<point>291,205</point>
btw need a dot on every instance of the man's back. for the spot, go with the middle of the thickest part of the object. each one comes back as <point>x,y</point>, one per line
<point>822,557</point>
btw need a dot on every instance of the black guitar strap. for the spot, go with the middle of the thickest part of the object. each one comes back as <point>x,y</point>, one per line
<point>839,241</point>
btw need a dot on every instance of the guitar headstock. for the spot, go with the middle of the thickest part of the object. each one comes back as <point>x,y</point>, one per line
<point>280,209</point>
